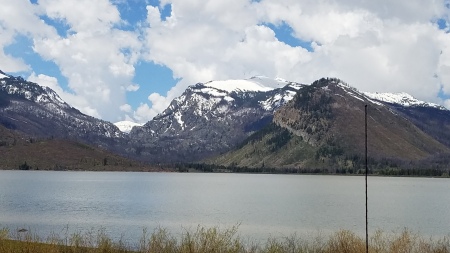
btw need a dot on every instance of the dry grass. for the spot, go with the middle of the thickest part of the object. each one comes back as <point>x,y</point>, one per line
<point>206,240</point>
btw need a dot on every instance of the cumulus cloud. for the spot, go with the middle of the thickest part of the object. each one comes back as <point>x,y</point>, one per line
<point>70,98</point>
<point>132,87</point>
<point>126,108</point>
<point>95,56</point>
<point>18,17</point>
<point>373,45</point>
<point>143,113</point>
<point>202,41</point>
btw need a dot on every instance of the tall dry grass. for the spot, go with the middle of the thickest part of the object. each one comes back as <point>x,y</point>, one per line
<point>215,240</point>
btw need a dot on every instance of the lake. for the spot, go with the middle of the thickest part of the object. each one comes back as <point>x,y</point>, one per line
<point>264,205</point>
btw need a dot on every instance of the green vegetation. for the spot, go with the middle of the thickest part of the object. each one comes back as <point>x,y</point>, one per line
<point>206,240</point>
<point>386,171</point>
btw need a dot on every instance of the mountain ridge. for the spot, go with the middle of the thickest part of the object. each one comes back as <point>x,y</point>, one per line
<point>325,121</point>
<point>208,119</point>
<point>215,118</point>
<point>39,111</point>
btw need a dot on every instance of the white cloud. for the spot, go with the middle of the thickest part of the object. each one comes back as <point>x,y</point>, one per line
<point>126,108</point>
<point>447,103</point>
<point>18,17</point>
<point>143,113</point>
<point>132,87</point>
<point>78,101</point>
<point>45,80</point>
<point>202,41</point>
<point>373,45</point>
<point>83,15</point>
<point>96,58</point>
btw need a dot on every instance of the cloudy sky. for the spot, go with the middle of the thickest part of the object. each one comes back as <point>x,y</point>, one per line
<point>127,59</point>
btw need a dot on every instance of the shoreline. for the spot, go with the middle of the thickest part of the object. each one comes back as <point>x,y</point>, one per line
<point>231,172</point>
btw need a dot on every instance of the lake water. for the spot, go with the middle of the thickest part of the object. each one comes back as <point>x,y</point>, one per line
<point>264,205</point>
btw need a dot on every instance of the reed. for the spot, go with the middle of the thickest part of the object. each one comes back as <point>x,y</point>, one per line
<point>206,240</point>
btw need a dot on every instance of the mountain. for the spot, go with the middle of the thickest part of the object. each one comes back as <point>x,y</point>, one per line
<point>38,111</point>
<point>431,118</point>
<point>257,122</point>
<point>210,118</point>
<point>323,127</point>
<point>126,126</point>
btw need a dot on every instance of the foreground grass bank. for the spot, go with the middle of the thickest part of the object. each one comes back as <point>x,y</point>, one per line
<point>206,240</point>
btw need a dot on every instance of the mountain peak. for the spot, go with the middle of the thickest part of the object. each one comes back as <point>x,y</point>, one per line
<point>401,98</point>
<point>39,111</point>
<point>253,84</point>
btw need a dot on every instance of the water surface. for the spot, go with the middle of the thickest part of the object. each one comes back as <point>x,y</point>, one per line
<point>264,205</point>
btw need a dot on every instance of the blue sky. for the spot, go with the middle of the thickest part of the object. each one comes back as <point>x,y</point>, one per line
<point>126,60</point>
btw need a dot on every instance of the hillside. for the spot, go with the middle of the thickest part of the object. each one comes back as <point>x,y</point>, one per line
<point>323,127</point>
<point>19,151</point>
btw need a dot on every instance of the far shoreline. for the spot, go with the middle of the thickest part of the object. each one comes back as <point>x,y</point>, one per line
<point>232,172</point>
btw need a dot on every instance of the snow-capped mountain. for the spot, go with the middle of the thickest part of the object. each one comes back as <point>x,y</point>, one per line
<point>126,126</point>
<point>39,111</point>
<point>212,117</point>
<point>322,128</point>
<point>401,98</point>
<point>42,95</point>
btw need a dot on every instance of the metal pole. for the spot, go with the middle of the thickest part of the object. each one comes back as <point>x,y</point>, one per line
<point>367,226</point>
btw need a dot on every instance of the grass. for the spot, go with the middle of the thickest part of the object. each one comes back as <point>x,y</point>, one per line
<point>206,240</point>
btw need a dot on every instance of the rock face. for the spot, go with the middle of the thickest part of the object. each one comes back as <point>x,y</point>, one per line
<point>211,118</point>
<point>39,111</point>
<point>323,126</point>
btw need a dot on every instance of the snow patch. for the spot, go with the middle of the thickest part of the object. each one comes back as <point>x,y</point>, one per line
<point>401,98</point>
<point>277,100</point>
<point>228,99</point>
<point>3,76</point>
<point>237,85</point>
<point>259,83</point>
<point>179,120</point>
<point>28,95</point>
<point>213,92</point>
<point>126,126</point>
<point>296,86</point>
<point>353,95</point>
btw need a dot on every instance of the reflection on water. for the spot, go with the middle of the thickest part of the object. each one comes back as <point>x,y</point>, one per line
<point>263,205</point>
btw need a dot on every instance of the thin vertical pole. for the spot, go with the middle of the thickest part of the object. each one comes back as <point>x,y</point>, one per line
<point>367,226</point>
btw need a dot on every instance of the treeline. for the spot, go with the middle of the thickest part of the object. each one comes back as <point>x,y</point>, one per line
<point>373,170</point>
<point>202,167</point>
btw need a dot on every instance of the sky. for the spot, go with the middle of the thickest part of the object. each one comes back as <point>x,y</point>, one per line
<point>127,59</point>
